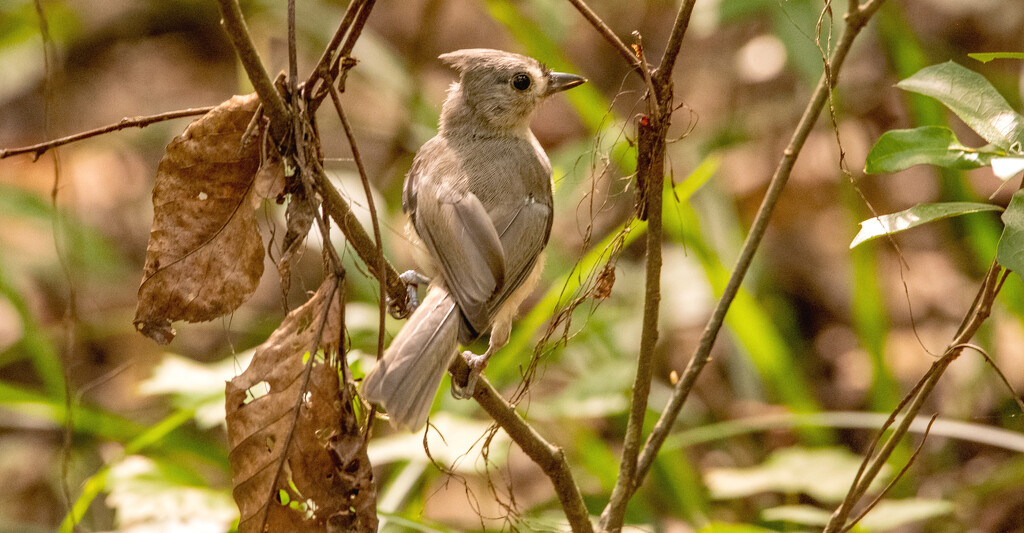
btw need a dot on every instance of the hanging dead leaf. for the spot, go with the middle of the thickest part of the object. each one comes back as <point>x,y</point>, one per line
<point>299,216</point>
<point>205,253</point>
<point>297,458</point>
<point>270,180</point>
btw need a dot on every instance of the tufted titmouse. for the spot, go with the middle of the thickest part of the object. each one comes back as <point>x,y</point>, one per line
<point>479,197</point>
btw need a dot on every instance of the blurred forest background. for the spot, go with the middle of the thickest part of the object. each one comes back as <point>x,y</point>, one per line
<point>820,345</point>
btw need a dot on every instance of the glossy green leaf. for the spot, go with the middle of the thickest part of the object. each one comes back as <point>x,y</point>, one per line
<point>915,216</point>
<point>985,57</point>
<point>1010,253</point>
<point>928,145</point>
<point>973,99</point>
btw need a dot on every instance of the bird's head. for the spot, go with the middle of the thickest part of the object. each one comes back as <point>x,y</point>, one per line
<point>499,88</point>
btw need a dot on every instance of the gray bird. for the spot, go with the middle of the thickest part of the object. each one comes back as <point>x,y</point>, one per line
<point>479,197</point>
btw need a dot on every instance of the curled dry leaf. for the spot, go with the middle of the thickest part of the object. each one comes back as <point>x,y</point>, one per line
<point>205,253</point>
<point>297,457</point>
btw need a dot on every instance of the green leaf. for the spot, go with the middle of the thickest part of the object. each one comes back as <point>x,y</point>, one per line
<point>973,99</point>
<point>928,145</point>
<point>1007,167</point>
<point>142,491</point>
<point>891,514</point>
<point>786,471</point>
<point>1010,252</point>
<point>722,527</point>
<point>985,57</point>
<point>887,515</point>
<point>805,515</point>
<point>915,216</point>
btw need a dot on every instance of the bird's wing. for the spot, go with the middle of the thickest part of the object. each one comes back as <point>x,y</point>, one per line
<point>463,242</point>
<point>524,232</point>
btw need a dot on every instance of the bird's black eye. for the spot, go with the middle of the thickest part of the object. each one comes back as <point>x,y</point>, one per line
<point>521,81</point>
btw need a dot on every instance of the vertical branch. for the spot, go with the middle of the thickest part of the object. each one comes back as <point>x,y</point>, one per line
<point>650,174</point>
<point>855,22</point>
<point>61,246</point>
<point>373,213</point>
<point>653,130</point>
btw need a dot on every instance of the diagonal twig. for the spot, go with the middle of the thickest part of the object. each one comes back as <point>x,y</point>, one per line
<point>333,64</point>
<point>273,104</point>
<point>855,22</point>
<point>382,305</point>
<point>550,458</point>
<point>914,401</point>
<point>609,35</point>
<point>127,122</point>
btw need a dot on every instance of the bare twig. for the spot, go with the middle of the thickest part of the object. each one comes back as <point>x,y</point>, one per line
<point>382,305</point>
<point>609,35</point>
<point>550,458</point>
<point>127,122</point>
<point>333,63</point>
<point>855,22</point>
<point>342,214</point>
<point>653,130</point>
<point>324,64</point>
<point>860,516</point>
<point>675,42</point>
<point>914,401</point>
<point>650,175</point>
<point>273,104</point>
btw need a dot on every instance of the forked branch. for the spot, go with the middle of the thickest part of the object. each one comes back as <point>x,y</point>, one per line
<point>911,405</point>
<point>632,475</point>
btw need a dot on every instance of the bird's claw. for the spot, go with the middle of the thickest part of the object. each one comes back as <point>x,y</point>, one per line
<point>412,280</point>
<point>476,364</point>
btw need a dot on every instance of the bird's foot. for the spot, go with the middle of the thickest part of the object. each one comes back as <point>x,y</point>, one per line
<point>476,364</point>
<point>412,280</point>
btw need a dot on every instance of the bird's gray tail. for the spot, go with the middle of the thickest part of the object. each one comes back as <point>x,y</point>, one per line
<point>405,380</point>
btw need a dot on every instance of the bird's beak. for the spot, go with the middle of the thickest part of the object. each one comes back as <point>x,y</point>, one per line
<point>560,81</point>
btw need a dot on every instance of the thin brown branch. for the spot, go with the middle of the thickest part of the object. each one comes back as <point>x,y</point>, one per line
<point>293,51</point>
<point>550,458</point>
<point>675,42</point>
<point>382,307</point>
<point>872,464</point>
<point>778,182</point>
<point>650,175</point>
<point>333,64</point>
<point>860,516</point>
<point>273,104</point>
<point>653,130</point>
<point>339,210</point>
<point>127,122</point>
<point>327,57</point>
<point>609,35</point>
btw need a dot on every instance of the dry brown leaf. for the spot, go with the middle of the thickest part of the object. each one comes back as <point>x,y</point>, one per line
<point>318,458</point>
<point>205,253</point>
